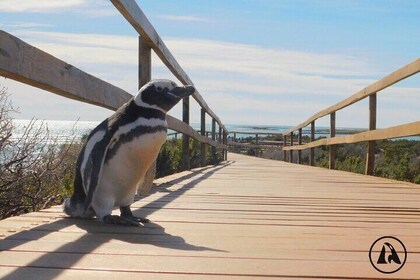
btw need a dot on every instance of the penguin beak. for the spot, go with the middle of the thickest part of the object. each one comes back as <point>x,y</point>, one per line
<point>183,91</point>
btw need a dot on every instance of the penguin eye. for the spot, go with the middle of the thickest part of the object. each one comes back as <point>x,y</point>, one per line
<point>159,89</point>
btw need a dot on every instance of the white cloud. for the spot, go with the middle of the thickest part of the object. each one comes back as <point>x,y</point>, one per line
<point>37,5</point>
<point>21,24</point>
<point>241,83</point>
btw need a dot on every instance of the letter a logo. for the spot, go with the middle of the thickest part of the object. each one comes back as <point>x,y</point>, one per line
<point>387,254</point>
<point>392,257</point>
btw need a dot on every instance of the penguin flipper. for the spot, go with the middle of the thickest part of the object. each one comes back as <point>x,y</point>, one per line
<point>96,161</point>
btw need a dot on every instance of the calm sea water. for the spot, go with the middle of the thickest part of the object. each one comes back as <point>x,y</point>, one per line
<point>65,130</point>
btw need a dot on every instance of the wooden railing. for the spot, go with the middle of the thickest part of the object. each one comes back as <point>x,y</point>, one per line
<point>254,142</point>
<point>373,134</point>
<point>24,63</point>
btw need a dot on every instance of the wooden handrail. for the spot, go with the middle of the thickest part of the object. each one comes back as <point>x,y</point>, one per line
<point>405,130</point>
<point>394,77</point>
<point>256,132</point>
<point>177,125</point>
<point>25,63</point>
<point>132,12</point>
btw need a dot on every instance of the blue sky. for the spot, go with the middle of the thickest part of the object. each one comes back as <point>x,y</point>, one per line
<point>268,62</point>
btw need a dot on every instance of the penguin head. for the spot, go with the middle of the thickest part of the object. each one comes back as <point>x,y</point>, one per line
<point>162,94</point>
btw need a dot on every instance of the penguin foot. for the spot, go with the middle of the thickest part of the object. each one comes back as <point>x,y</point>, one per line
<point>126,213</point>
<point>138,219</point>
<point>119,220</point>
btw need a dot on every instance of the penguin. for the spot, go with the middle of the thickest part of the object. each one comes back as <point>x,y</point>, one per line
<point>119,151</point>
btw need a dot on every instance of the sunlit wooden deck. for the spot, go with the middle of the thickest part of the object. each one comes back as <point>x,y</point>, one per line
<point>246,219</point>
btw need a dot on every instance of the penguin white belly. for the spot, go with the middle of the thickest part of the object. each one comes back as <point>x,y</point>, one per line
<point>123,172</point>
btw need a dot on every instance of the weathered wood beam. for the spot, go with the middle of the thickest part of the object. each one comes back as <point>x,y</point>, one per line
<point>185,157</point>
<point>370,156</point>
<point>203,133</point>
<point>291,145</point>
<point>405,130</point>
<point>24,63</point>
<point>145,62</point>
<point>312,154</point>
<point>333,148</point>
<point>299,159</point>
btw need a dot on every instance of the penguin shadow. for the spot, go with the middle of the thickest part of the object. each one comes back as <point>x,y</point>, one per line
<point>148,234</point>
<point>204,172</point>
<point>165,239</point>
<point>92,234</point>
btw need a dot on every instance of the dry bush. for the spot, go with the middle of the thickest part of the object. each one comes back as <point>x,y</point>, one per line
<point>35,170</point>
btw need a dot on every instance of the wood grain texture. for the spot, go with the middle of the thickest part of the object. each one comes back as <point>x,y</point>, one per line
<point>405,130</point>
<point>135,16</point>
<point>24,63</point>
<point>247,218</point>
<point>370,156</point>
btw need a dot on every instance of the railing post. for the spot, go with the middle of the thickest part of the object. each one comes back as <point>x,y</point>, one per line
<point>299,159</point>
<point>144,76</point>
<point>370,156</point>
<point>213,135</point>
<point>333,148</point>
<point>145,62</point>
<point>257,151</point>
<point>284,145</point>
<point>185,137</point>
<point>291,144</point>
<point>225,143</point>
<point>203,132</point>
<point>312,155</point>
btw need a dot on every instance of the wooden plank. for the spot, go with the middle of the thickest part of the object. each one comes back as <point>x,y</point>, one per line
<point>370,156</point>
<point>396,76</point>
<point>405,130</point>
<point>248,218</point>
<point>135,16</point>
<point>24,63</point>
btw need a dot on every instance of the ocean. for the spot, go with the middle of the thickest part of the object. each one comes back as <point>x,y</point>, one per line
<point>64,131</point>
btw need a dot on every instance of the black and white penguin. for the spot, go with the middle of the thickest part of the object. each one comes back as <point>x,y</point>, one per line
<point>119,151</point>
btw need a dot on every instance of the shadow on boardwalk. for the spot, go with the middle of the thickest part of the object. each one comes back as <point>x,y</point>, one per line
<point>96,233</point>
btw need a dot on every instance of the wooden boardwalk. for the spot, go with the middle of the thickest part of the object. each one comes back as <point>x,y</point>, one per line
<point>246,219</point>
